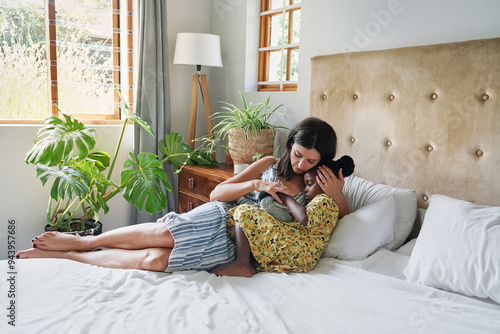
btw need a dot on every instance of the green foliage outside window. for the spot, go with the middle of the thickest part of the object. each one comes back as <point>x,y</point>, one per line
<point>84,64</point>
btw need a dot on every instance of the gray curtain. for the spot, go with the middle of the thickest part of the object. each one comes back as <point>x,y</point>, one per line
<point>152,98</point>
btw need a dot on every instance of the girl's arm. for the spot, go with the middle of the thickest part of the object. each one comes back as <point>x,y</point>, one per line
<point>297,210</point>
<point>247,181</point>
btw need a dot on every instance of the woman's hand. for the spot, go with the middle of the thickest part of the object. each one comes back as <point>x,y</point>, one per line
<point>243,183</point>
<point>332,186</point>
<point>273,188</point>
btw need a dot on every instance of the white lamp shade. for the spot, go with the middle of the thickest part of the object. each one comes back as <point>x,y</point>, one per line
<point>197,49</point>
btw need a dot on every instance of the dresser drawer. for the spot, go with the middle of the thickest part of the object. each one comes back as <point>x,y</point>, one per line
<point>187,202</point>
<point>197,182</point>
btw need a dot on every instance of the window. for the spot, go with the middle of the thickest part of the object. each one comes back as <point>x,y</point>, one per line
<point>279,45</point>
<point>64,54</point>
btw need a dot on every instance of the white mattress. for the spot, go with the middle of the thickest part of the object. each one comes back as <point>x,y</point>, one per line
<point>337,296</point>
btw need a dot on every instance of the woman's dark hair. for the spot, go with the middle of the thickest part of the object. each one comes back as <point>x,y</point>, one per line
<point>310,133</point>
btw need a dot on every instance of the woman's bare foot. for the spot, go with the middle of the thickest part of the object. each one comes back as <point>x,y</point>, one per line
<point>34,253</point>
<point>235,269</point>
<point>56,241</point>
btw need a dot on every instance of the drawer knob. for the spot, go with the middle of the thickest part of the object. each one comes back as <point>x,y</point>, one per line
<point>191,182</point>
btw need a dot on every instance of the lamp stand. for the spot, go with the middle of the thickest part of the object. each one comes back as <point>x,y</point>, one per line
<point>199,80</point>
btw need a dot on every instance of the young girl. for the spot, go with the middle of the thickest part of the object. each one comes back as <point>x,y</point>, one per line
<point>281,211</point>
<point>282,246</point>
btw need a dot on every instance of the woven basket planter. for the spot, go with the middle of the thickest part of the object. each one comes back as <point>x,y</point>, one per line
<point>242,150</point>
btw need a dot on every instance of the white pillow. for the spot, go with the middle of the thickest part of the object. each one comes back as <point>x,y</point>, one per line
<point>458,248</point>
<point>361,232</point>
<point>360,192</point>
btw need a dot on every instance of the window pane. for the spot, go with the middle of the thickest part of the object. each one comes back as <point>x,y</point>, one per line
<point>85,56</point>
<point>22,60</point>
<point>275,64</point>
<point>126,53</point>
<point>275,4</point>
<point>294,65</point>
<point>292,2</point>
<point>296,27</point>
<point>276,30</point>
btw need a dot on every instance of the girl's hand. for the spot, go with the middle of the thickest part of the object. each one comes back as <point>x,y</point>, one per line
<point>332,186</point>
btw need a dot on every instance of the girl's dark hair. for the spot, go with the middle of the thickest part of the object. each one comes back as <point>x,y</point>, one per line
<point>310,133</point>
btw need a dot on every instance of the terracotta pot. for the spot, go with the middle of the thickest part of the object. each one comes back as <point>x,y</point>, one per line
<point>229,160</point>
<point>243,150</point>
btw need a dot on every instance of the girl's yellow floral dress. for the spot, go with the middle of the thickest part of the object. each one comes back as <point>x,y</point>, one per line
<point>287,246</point>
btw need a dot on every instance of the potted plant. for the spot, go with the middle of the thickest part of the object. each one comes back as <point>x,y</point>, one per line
<point>82,178</point>
<point>249,133</point>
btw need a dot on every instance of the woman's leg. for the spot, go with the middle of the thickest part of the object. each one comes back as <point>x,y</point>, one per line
<point>140,236</point>
<point>154,259</point>
<point>242,266</point>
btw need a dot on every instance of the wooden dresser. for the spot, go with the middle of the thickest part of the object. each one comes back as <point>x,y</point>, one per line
<point>197,182</point>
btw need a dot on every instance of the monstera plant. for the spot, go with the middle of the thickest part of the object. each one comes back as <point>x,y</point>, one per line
<point>82,183</point>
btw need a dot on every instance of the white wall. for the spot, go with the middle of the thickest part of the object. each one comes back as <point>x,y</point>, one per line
<point>334,26</point>
<point>186,16</point>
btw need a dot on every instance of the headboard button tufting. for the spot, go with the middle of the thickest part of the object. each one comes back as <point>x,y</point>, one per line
<point>391,97</point>
<point>389,143</point>
<point>479,153</point>
<point>485,97</point>
<point>425,198</point>
<point>324,96</point>
<point>430,148</point>
<point>353,140</point>
<point>434,96</point>
<point>355,96</point>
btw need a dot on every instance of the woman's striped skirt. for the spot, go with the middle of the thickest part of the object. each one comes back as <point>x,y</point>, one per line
<point>201,239</point>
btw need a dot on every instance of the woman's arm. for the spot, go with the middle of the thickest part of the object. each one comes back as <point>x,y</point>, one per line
<point>297,210</point>
<point>247,181</point>
<point>332,186</point>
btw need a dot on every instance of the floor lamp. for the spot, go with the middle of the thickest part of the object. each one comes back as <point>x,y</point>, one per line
<point>200,50</point>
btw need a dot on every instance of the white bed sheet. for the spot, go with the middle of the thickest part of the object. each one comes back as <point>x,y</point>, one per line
<point>337,296</point>
<point>385,262</point>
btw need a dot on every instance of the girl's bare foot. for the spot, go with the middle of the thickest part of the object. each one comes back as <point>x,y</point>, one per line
<point>235,269</point>
<point>34,253</point>
<point>56,241</point>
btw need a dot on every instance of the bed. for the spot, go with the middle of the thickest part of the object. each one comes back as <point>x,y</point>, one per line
<point>418,253</point>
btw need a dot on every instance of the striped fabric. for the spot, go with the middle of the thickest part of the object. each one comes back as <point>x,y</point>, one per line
<point>201,238</point>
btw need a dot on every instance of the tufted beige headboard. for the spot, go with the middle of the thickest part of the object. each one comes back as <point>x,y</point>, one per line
<point>426,117</point>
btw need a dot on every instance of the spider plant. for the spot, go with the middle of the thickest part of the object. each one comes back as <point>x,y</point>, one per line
<point>253,117</point>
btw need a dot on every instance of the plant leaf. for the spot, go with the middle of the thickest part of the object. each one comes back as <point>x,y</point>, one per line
<point>131,116</point>
<point>179,154</point>
<point>142,184</point>
<point>60,140</point>
<point>101,159</point>
<point>173,150</point>
<point>68,181</point>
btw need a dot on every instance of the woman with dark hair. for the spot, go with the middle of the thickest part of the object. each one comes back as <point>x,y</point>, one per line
<point>311,133</point>
<point>310,143</point>
<point>198,240</point>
